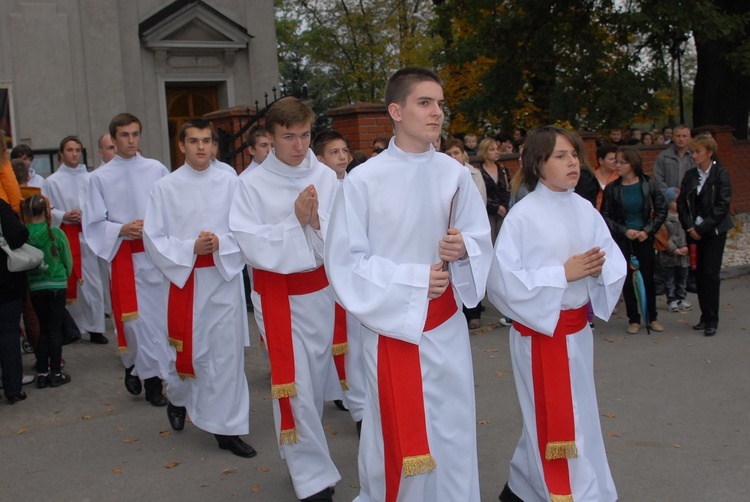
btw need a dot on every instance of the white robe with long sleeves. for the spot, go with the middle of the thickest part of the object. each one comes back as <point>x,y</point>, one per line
<point>271,238</point>
<point>117,194</point>
<point>182,205</point>
<point>223,166</point>
<point>65,188</point>
<point>527,282</point>
<point>383,237</point>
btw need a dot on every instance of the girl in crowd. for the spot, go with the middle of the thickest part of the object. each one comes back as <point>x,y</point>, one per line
<point>634,210</point>
<point>497,180</point>
<point>48,285</point>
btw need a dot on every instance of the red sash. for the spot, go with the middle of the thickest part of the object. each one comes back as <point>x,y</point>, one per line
<point>405,443</point>
<point>340,345</point>
<point>72,230</point>
<point>553,400</point>
<point>122,289</point>
<point>180,318</point>
<point>274,290</point>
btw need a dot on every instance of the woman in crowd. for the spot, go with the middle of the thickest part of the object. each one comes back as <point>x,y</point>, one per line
<point>12,293</point>
<point>634,210</point>
<point>703,205</point>
<point>497,180</point>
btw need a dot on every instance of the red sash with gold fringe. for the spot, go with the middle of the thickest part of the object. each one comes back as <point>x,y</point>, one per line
<point>405,444</point>
<point>274,290</point>
<point>122,289</point>
<point>180,318</point>
<point>553,400</point>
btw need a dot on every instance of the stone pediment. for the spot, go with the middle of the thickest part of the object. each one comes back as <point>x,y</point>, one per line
<point>191,25</point>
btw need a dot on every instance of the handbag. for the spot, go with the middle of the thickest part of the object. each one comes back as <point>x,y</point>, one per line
<point>23,258</point>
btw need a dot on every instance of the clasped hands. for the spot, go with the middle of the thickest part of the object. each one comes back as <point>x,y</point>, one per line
<point>73,216</point>
<point>306,208</point>
<point>581,265</point>
<point>206,243</point>
<point>450,248</point>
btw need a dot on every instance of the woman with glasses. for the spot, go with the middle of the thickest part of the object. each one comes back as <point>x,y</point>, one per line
<point>634,209</point>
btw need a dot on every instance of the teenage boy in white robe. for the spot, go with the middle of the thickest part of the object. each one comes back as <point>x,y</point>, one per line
<point>65,188</point>
<point>554,255</point>
<point>114,205</point>
<point>408,235</point>
<point>186,233</point>
<point>332,149</point>
<point>279,217</point>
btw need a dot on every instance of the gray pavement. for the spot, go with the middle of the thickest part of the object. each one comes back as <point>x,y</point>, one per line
<point>674,407</point>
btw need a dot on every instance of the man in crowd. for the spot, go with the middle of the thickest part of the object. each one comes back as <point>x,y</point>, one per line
<point>259,146</point>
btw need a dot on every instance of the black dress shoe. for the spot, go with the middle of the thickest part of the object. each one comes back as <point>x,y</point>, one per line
<point>235,445</point>
<point>18,397</point>
<point>325,495</point>
<point>176,416</point>
<point>508,496</point>
<point>700,326</point>
<point>132,382</point>
<point>340,405</point>
<point>710,332</point>
<point>154,392</point>
<point>98,339</point>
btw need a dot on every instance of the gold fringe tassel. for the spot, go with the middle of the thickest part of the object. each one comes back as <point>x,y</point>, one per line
<point>561,449</point>
<point>344,385</point>
<point>340,349</point>
<point>177,344</point>
<point>561,498</point>
<point>122,350</point>
<point>130,316</point>
<point>288,437</point>
<point>80,281</point>
<point>420,464</point>
<point>283,390</point>
<point>185,376</point>
<point>71,301</point>
<point>263,345</point>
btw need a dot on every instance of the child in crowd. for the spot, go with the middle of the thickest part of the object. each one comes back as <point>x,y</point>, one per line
<point>675,260</point>
<point>48,285</point>
<point>470,142</point>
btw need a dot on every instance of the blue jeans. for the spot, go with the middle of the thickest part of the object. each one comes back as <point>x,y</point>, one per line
<point>10,347</point>
<point>675,283</point>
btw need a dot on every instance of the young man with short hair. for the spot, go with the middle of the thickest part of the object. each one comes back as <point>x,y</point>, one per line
<point>408,232</point>
<point>259,146</point>
<point>186,234</point>
<point>331,148</point>
<point>279,217</point>
<point>113,209</point>
<point>64,189</point>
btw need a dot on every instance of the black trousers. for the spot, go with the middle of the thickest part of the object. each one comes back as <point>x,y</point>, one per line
<point>707,276</point>
<point>49,305</point>
<point>644,251</point>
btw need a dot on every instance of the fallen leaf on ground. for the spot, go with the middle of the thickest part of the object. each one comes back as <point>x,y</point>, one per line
<point>108,410</point>
<point>491,350</point>
<point>120,429</point>
<point>608,340</point>
<point>610,415</point>
<point>106,404</point>
<point>262,469</point>
<point>613,435</point>
<point>228,471</point>
<point>484,422</point>
<point>334,433</point>
<point>56,411</point>
<point>256,489</point>
<point>128,441</point>
<point>86,417</point>
<point>172,465</point>
<point>20,431</point>
<point>117,470</point>
<point>164,433</point>
<point>499,373</point>
<point>677,446</point>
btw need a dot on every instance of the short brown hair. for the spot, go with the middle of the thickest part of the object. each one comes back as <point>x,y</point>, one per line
<point>706,141</point>
<point>287,112</point>
<point>68,139</point>
<point>197,124</point>
<point>450,143</point>
<point>323,138</point>
<point>20,170</point>
<point>400,84</point>
<point>122,120</point>
<point>538,148</point>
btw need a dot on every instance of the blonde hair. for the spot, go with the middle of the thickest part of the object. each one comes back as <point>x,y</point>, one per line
<point>484,146</point>
<point>706,141</point>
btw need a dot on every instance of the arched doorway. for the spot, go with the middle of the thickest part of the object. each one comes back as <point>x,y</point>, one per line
<point>185,102</point>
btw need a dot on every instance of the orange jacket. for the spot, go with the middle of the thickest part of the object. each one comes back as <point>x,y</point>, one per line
<point>9,190</point>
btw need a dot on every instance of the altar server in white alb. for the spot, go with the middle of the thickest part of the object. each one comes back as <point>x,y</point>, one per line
<point>113,209</point>
<point>279,216</point>
<point>408,235</point>
<point>554,255</point>
<point>65,188</point>
<point>186,234</point>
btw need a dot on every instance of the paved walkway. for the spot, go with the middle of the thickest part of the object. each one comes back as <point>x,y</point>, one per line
<point>674,408</point>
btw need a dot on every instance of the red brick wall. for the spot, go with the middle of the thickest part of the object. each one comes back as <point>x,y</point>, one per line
<point>361,123</point>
